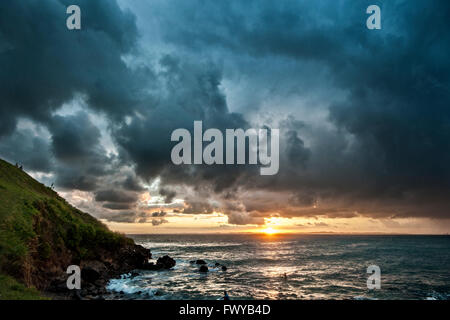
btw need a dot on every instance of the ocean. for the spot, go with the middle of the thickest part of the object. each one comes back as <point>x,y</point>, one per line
<point>316,267</point>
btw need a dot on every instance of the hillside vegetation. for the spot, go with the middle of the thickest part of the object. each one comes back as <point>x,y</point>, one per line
<point>41,234</point>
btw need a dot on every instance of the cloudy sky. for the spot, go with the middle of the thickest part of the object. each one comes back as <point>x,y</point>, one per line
<point>364,115</point>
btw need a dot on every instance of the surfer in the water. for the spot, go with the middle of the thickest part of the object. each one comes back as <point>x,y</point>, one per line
<point>225,296</point>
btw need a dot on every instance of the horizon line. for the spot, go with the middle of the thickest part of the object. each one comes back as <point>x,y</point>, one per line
<point>293,233</point>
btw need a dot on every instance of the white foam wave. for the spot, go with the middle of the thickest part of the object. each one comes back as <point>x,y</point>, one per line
<point>126,286</point>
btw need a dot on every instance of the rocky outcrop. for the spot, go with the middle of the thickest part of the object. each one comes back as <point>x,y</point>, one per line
<point>131,257</point>
<point>164,262</point>
<point>95,274</point>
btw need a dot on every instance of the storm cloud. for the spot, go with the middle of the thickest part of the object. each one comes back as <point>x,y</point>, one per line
<point>44,65</point>
<point>363,114</point>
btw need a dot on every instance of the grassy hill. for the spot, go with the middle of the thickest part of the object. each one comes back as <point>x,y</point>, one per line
<point>41,234</point>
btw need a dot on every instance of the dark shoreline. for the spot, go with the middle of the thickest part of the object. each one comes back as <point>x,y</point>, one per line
<point>95,274</point>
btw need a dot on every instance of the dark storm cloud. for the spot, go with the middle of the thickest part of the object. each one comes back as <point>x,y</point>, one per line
<point>243,218</point>
<point>195,206</point>
<point>382,150</point>
<point>168,194</point>
<point>44,64</point>
<point>133,217</point>
<point>27,149</point>
<point>115,196</point>
<point>117,206</point>
<point>132,183</point>
<point>395,108</point>
<point>70,178</point>
<point>75,144</point>
<point>188,91</point>
<point>122,216</point>
<point>75,138</point>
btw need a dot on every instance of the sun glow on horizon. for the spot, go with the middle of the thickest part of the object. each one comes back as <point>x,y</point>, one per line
<point>269,231</point>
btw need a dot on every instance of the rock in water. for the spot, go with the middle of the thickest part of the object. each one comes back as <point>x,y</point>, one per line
<point>200,261</point>
<point>166,262</point>
<point>224,268</point>
<point>203,268</point>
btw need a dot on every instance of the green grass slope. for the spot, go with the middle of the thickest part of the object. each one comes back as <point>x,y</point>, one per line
<point>40,234</point>
<point>11,289</point>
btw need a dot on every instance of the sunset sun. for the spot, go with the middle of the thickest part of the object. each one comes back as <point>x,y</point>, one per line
<point>269,231</point>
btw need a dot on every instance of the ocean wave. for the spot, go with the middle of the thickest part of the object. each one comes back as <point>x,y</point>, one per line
<point>124,285</point>
<point>438,296</point>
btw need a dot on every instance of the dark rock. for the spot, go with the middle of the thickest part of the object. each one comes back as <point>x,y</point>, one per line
<point>224,268</point>
<point>166,262</point>
<point>217,264</point>
<point>95,274</point>
<point>151,266</point>
<point>203,268</point>
<point>133,257</point>
<point>89,274</point>
<point>200,261</point>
